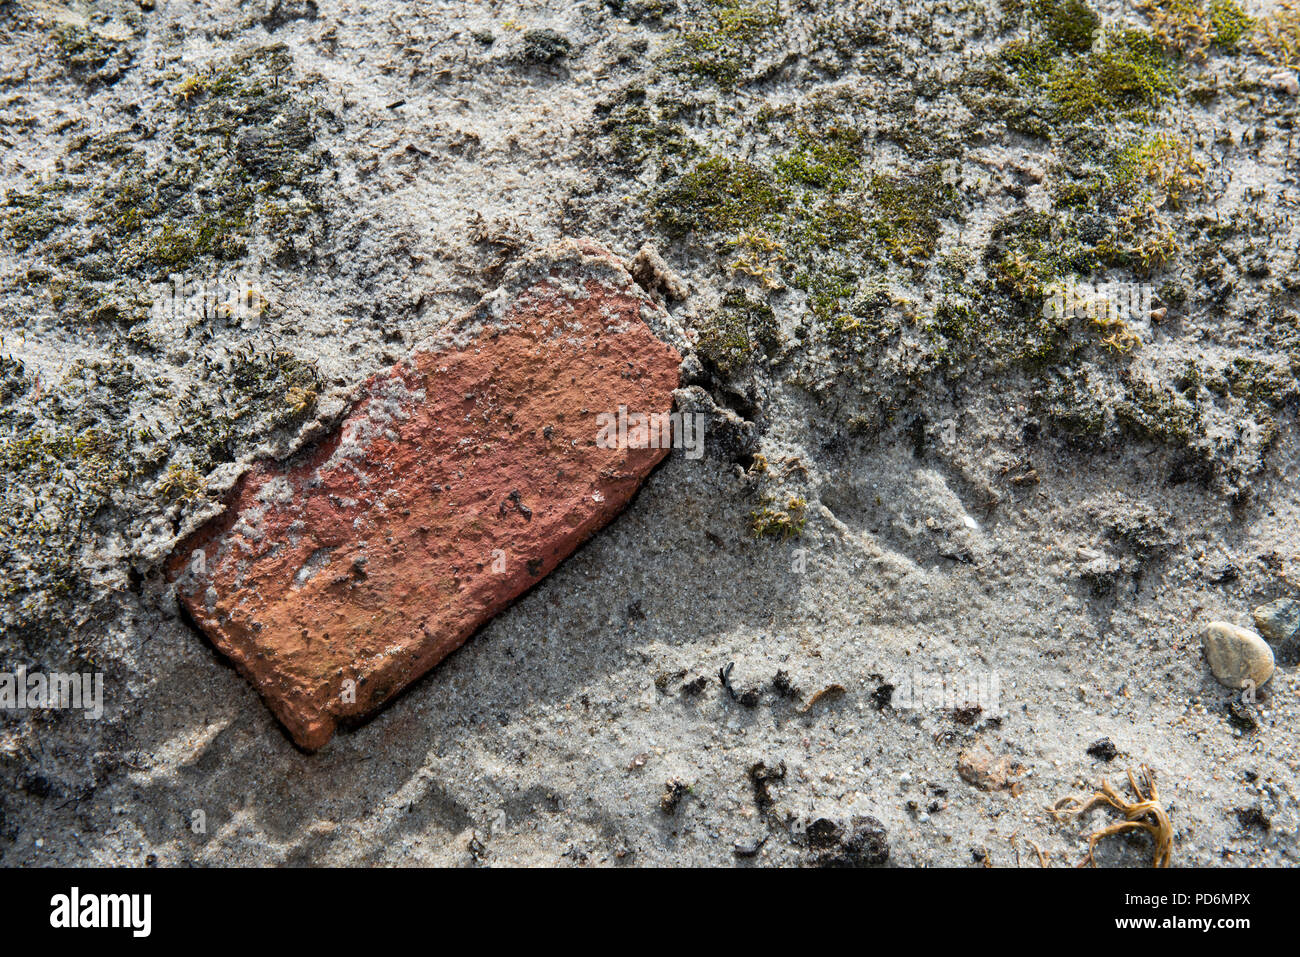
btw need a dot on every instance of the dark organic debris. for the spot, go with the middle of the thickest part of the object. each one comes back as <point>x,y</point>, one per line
<point>747,698</point>
<point>761,777</point>
<point>545,46</point>
<point>1249,817</point>
<point>668,678</point>
<point>1103,750</point>
<point>695,688</point>
<point>674,791</point>
<point>882,696</point>
<point>782,687</point>
<point>281,12</point>
<point>749,848</point>
<point>1242,715</point>
<point>863,843</point>
<point>824,834</point>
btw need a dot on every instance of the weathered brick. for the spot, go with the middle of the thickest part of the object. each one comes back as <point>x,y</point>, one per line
<point>456,481</point>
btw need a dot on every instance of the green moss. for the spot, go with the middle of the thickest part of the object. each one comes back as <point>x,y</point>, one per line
<point>639,131</point>
<point>825,160</point>
<point>1157,413</point>
<point>720,44</point>
<point>1071,402</point>
<point>238,143</point>
<point>180,482</point>
<point>1229,24</point>
<point>1277,35</point>
<point>218,236</point>
<point>1142,240</point>
<point>40,453</point>
<point>1032,61</point>
<point>737,333</point>
<point>1128,71</point>
<point>1181,25</point>
<point>785,522</point>
<point>87,53</point>
<point>1260,382</point>
<point>1029,249</point>
<point>720,195</point>
<point>1063,27</point>
<point>1001,322</point>
<point>260,391</point>
<point>832,297</point>
<point>1069,25</point>
<point>1040,83</point>
<point>31,217</point>
<point>909,209</point>
<point>1166,163</point>
<point>54,484</point>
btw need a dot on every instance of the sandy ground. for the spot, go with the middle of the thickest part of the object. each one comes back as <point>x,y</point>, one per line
<point>553,735</point>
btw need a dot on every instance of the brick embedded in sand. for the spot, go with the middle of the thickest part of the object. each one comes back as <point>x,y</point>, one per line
<point>461,477</point>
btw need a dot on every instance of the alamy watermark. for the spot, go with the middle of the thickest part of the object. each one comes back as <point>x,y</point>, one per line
<point>75,910</point>
<point>919,690</point>
<point>1128,301</point>
<point>651,430</point>
<point>227,297</point>
<point>24,690</point>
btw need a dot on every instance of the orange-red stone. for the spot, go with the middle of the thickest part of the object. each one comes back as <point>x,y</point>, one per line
<point>459,479</point>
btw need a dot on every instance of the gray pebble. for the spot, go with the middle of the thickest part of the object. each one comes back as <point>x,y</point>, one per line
<point>1278,620</point>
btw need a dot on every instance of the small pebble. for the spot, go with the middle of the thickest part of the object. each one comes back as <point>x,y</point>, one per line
<point>1236,655</point>
<point>1286,82</point>
<point>1278,620</point>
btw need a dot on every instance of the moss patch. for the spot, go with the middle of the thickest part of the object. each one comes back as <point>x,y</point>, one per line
<point>720,195</point>
<point>240,164</point>
<point>1130,71</point>
<point>733,336</point>
<point>721,42</point>
<point>1230,24</point>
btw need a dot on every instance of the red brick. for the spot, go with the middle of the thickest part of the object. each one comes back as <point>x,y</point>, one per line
<point>369,557</point>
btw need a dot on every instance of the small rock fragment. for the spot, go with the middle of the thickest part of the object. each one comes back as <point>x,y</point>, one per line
<point>653,275</point>
<point>1278,620</point>
<point>1285,81</point>
<point>1237,656</point>
<point>749,848</point>
<point>980,768</point>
